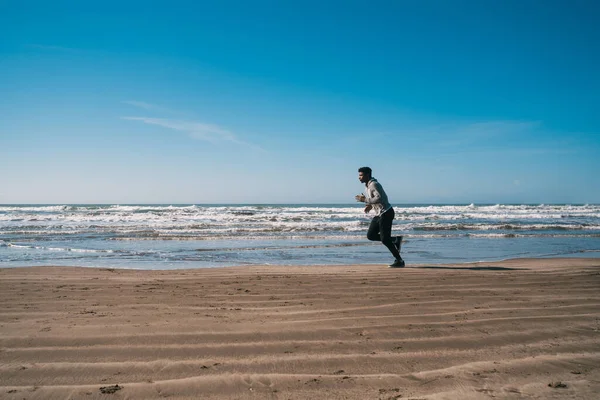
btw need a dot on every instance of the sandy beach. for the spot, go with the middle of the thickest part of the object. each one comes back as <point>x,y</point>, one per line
<point>517,329</point>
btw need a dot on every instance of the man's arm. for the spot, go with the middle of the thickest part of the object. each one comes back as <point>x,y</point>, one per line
<point>361,198</point>
<point>375,193</point>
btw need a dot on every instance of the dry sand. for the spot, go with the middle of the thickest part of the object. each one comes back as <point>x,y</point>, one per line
<point>503,330</point>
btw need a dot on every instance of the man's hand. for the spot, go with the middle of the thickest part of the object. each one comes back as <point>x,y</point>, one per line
<point>360,197</point>
<point>368,208</point>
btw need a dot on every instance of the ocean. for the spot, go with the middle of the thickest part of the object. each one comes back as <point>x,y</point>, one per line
<point>162,236</point>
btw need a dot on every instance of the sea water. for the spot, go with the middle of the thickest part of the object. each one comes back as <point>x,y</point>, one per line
<point>201,236</point>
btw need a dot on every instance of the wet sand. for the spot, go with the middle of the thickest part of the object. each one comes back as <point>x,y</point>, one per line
<point>517,329</point>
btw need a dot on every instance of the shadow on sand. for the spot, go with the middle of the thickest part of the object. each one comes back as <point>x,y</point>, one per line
<point>481,268</point>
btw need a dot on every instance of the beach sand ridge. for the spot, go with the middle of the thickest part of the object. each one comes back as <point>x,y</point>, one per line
<point>516,329</point>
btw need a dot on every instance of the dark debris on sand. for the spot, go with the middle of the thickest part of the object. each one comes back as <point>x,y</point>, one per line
<point>110,389</point>
<point>557,385</point>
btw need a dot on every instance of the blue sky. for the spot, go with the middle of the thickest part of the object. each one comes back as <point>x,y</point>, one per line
<point>282,101</point>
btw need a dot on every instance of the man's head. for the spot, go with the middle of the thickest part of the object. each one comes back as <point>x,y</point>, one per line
<point>364,174</point>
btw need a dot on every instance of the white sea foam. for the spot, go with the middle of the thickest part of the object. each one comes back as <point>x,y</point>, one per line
<point>130,230</point>
<point>129,219</point>
<point>49,248</point>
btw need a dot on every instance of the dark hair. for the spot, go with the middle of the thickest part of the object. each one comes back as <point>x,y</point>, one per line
<point>366,170</point>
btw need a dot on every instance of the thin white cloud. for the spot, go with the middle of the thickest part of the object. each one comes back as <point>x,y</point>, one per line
<point>196,130</point>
